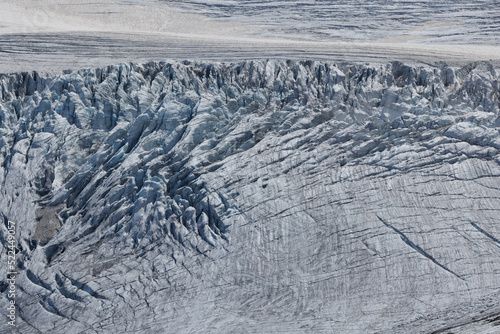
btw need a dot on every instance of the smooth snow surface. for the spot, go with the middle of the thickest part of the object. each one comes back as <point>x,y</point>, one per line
<point>430,21</point>
<point>257,197</point>
<point>55,35</point>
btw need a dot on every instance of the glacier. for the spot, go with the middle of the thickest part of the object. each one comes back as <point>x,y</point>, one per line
<point>258,196</point>
<point>57,35</point>
<point>435,22</point>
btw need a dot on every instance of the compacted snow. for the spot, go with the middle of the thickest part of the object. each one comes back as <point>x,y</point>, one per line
<point>442,22</point>
<point>312,167</point>
<point>55,35</point>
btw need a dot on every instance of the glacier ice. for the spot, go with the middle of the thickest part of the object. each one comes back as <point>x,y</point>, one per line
<point>253,197</point>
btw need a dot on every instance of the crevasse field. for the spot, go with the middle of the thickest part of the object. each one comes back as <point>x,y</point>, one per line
<point>250,167</point>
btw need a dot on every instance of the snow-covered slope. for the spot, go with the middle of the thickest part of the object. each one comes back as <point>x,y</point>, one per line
<point>257,197</point>
<point>424,21</point>
<point>56,35</point>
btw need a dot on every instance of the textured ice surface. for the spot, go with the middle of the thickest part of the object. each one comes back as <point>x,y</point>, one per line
<point>55,35</point>
<point>440,21</point>
<point>257,197</point>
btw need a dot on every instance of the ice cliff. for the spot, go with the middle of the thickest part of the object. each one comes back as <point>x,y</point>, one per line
<point>258,197</point>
